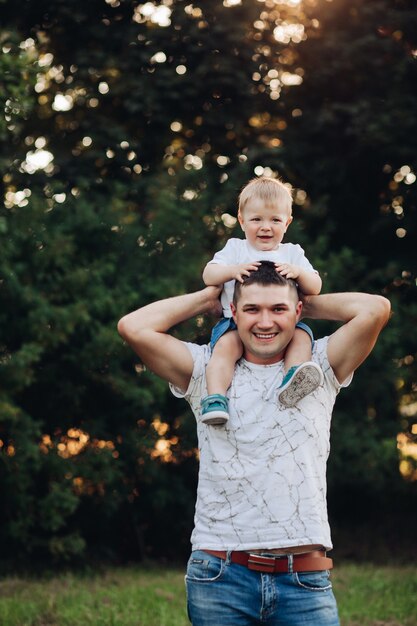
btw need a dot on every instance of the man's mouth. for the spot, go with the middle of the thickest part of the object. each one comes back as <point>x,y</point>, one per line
<point>265,335</point>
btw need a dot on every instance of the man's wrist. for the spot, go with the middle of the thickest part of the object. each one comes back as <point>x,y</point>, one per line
<point>308,302</point>
<point>209,302</point>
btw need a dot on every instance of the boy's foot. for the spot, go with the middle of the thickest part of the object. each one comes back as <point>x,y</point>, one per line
<point>299,381</point>
<point>214,409</point>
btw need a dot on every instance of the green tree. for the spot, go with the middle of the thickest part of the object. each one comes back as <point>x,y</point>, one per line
<point>350,145</point>
<point>128,130</point>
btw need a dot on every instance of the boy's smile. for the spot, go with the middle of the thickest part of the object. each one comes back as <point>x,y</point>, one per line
<point>264,225</point>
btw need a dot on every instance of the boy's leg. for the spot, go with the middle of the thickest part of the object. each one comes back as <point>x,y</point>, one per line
<point>298,350</point>
<point>302,375</point>
<point>219,375</point>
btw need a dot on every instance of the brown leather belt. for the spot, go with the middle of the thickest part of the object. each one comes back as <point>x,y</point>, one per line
<point>314,561</point>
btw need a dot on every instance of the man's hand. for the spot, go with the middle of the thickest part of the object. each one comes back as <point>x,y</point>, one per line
<point>214,307</point>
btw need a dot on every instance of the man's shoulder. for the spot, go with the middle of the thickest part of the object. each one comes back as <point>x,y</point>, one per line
<point>197,350</point>
<point>201,356</point>
<point>320,347</point>
<point>319,352</point>
<point>321,358</point>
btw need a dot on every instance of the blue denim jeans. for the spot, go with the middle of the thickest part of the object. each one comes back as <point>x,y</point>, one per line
<point>221,593</point>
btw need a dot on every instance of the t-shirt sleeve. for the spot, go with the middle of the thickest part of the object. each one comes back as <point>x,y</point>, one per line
<point>320,352</point>
<point>299,258</point>
<point>201,356</point>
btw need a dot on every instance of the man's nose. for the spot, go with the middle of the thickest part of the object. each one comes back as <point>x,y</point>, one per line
<point>265,320</point>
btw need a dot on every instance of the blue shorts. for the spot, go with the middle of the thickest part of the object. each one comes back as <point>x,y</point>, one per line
<point>221,328</point>
<point>228,323</point>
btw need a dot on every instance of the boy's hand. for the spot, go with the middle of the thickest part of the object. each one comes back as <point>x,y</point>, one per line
<point>288,270</point>
<point>245,269</point>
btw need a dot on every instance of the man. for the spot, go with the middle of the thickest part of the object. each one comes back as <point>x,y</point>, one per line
<point>261,530</point>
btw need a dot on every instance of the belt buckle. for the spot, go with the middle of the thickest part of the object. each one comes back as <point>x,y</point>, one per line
<point>261,563</point>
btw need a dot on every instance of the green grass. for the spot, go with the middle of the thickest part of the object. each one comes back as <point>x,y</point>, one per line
<point>370,595</point>
<point>119,597</point>
<point>155,596</point>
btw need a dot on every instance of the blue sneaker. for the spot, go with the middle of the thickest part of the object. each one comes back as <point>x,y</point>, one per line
<point>299,381</point>
<point>214,409</point>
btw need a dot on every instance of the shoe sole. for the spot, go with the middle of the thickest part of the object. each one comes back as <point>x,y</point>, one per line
<point>215,418</point>
<point>304,381</point>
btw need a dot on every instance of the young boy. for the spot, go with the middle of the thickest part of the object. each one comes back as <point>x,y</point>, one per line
<point>264,215</point>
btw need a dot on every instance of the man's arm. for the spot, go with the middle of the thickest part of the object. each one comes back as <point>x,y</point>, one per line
<point>364,317</point>
<point>146,329</point>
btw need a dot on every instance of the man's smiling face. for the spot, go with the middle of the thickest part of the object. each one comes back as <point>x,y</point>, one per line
<point>266,317</point>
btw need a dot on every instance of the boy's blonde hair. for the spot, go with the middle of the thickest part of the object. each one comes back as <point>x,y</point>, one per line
<point>270,190</point>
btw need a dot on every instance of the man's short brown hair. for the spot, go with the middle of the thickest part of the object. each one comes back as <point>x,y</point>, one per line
<point>265,275</point>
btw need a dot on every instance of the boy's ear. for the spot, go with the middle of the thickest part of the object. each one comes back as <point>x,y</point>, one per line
<point>240,218</point>
<point>289,220</point>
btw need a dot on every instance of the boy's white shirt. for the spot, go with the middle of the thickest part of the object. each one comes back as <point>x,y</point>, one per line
<point>262,478</point>
<point>238,251</point>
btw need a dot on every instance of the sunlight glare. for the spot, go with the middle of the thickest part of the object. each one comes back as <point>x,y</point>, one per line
<point>290,3</point>
<point>62,102</point>
<point>285,32</point>
<point>159,15</point>
<point>38,160</point>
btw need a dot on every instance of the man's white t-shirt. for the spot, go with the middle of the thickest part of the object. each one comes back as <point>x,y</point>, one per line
<point>237,251</point>
<point>262,476</point>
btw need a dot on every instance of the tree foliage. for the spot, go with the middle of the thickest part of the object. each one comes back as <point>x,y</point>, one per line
<point>128,130</point>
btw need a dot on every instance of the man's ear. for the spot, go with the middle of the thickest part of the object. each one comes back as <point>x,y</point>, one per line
<point>233,310</point>
<point>299,310</point>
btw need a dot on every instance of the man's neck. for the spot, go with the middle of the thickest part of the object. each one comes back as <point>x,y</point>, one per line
<point>252,358</point>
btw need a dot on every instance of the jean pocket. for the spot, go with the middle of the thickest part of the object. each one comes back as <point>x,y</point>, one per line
<point>203,567</point>
<point>313,581</point>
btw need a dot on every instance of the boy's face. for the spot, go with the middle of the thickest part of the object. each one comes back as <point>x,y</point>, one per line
<point>264,225</point>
